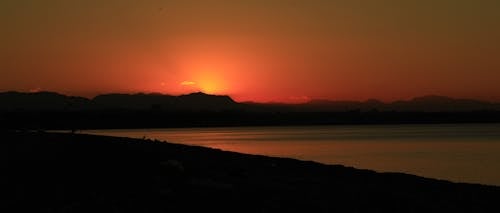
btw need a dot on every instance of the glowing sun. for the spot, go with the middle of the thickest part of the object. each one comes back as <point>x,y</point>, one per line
<point>206,84</point>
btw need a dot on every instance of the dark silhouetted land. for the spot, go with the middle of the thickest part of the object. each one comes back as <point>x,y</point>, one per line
<point>47,110</point>
<point>56,172</point>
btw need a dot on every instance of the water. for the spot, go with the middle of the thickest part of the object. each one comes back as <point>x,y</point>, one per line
<point>457,152</point>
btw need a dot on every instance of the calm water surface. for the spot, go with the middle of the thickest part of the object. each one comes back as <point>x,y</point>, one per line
<point>457,152</point>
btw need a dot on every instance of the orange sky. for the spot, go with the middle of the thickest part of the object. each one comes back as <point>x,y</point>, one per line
<point>253,50</point>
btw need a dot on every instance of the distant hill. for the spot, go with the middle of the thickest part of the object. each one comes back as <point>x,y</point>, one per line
<point>430,103</point>
<point>41,101</point>
<point>48,110</point>
<point>204,102</point>
<point>195,101</point>
<point>56,102</point>
<point>442,103</point>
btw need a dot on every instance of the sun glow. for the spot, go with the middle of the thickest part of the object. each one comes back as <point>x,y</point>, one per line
<point>206,83</point>
<point>211,84</point>
<point>212,68</point>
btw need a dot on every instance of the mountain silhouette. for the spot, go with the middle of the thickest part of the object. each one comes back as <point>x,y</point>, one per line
<point>195,101</point>
<point>429,103</point>
<point>49,110</point>
<point>41,101</point>
<point>442,103</point>
<point>204,102</point>
<point>54,101</point>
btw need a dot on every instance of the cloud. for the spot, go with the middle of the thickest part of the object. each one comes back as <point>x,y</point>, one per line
<point>188,83</point>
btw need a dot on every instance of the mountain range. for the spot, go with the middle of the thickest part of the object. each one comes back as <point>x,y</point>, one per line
<point>42,101</point>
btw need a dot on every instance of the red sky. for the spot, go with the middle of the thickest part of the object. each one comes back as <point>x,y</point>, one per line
<point>253,50</point>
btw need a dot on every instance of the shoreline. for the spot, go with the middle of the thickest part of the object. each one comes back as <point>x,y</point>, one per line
<point>88,172</point>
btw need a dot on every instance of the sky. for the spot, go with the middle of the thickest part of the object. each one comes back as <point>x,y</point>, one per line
<point>253,50</point>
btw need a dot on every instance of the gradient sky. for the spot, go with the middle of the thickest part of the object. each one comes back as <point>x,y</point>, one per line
<point>253,50</point>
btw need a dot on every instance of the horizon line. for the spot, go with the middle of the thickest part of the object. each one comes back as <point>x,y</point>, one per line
<point>253,102</point>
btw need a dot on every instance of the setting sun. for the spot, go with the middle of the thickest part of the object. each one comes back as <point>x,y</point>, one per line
<point>211,85</point>
<point>206,83</point>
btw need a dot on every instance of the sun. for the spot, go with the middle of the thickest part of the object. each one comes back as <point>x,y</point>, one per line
<point>210,83</point>
<point>211,86</point>
<point>207,85</point>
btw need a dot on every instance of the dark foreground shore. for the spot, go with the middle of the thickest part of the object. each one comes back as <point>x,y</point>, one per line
<point>55,172</point>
